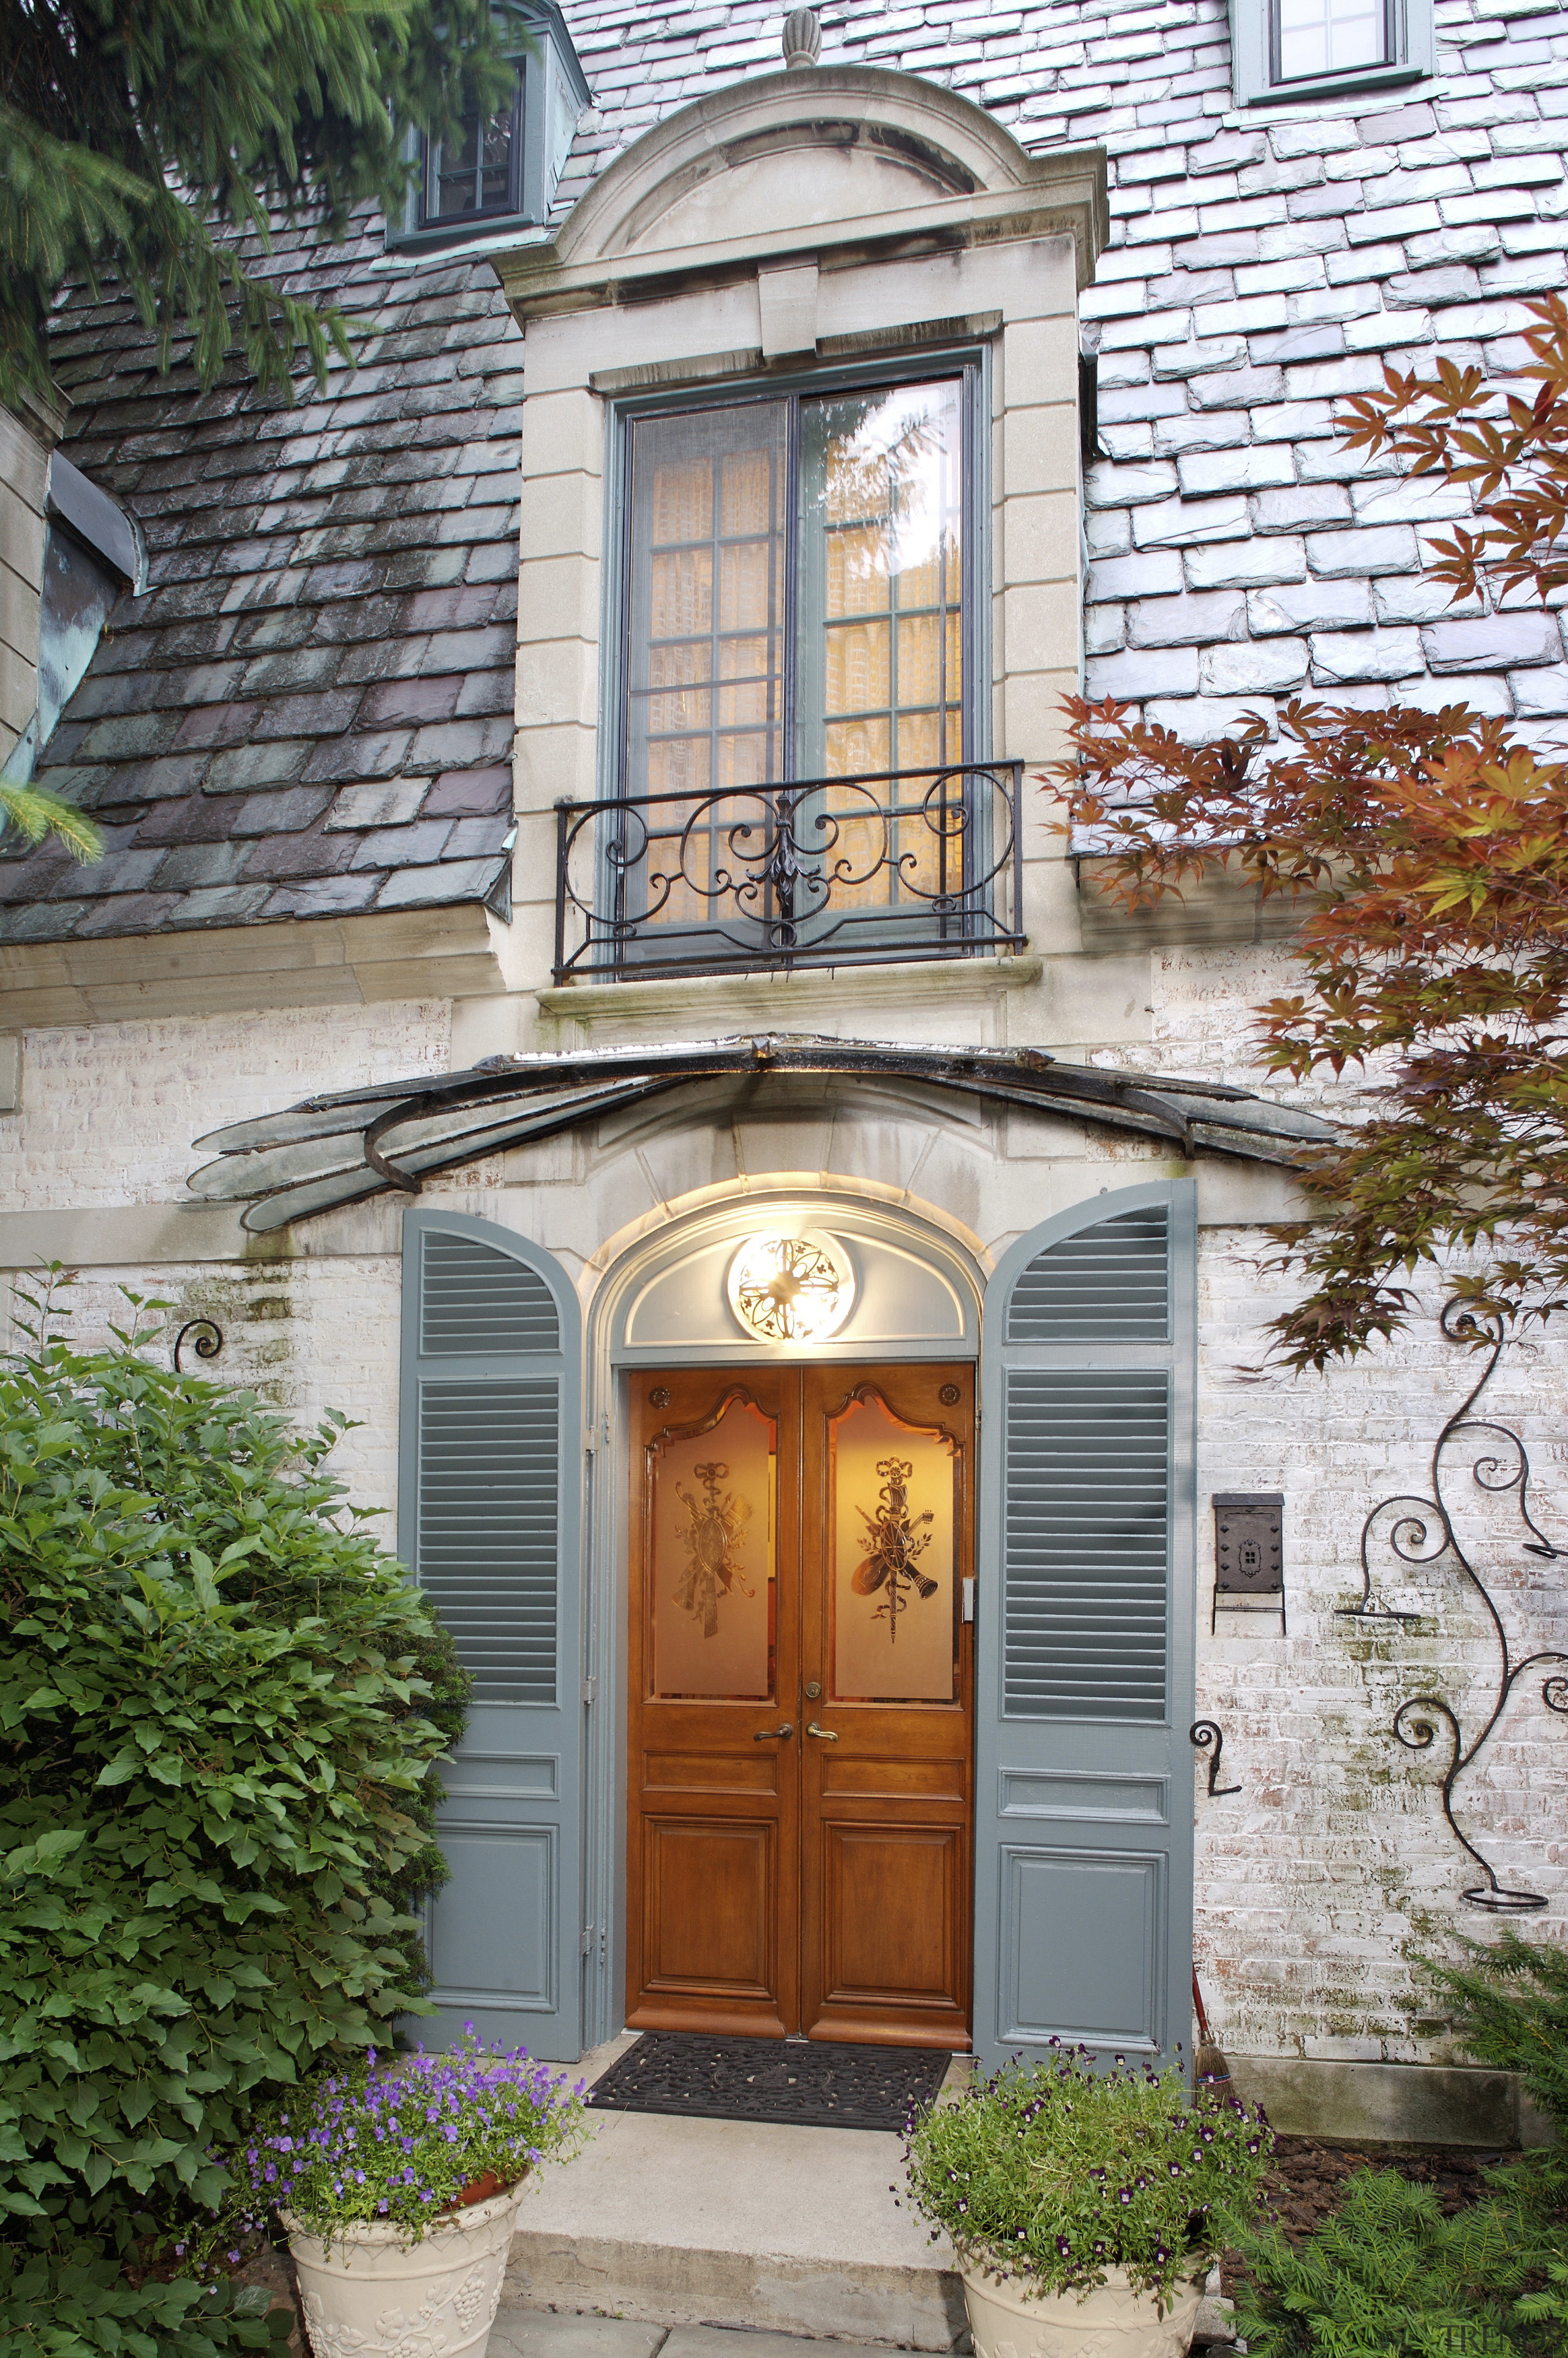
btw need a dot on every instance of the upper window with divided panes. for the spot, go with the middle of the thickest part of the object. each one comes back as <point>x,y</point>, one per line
<point>792,713</point>
<point>1297,50</point>
<point>795,585</point>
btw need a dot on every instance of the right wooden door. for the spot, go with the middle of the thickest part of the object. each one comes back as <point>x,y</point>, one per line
<point>886,1739</point>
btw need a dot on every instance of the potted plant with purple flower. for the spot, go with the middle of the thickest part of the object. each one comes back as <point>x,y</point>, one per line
<point>398,2185</point>
<point>1086,2206</point>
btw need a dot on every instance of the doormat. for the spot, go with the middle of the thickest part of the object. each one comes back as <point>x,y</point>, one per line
<point>811,2081</point>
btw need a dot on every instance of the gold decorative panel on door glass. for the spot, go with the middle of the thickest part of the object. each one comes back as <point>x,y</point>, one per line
<point>893,1492</point>
<point>711,1508</point>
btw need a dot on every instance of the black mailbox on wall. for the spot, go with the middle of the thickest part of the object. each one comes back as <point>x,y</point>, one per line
<point>1248,1553</point>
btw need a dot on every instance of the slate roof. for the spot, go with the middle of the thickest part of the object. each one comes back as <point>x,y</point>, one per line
<point>310,711</point>
<point>329,629</point>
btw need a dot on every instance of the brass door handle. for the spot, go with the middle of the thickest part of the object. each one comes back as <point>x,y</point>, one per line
<point>766,1734</point>
<point>828,1734</point>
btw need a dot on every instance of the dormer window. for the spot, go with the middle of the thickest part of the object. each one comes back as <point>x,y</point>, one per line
<point>499,170</point>
<point>1299,51</point>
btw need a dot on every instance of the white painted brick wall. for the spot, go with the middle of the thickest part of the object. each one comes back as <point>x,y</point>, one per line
<point>1320,1882</point>
<point>108,1113</point>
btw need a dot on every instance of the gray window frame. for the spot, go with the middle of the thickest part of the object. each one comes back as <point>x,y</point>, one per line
<point>1413,57</point>
<point>550,79</point>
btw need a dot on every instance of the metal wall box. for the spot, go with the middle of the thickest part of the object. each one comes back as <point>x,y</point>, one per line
<point>1248,1553</point>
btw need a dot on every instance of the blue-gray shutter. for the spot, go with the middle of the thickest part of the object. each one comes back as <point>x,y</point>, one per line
<point>1084,1832</point>
<point>488,1521</point>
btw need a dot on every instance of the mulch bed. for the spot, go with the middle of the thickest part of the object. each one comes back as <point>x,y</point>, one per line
<point>1308,2183</point>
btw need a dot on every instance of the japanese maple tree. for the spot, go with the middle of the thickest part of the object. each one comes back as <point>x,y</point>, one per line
<point>1429,855</point>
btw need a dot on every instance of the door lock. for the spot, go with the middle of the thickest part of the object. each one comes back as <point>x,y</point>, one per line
<point>828,1734</point>
<point>813,1689</point>
<point>766,1734</point>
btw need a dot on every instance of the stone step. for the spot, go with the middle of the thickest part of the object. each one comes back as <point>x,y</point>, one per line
<point>677,2222</point>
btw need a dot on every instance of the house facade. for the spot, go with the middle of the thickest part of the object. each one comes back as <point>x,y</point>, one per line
<point>587,978</point>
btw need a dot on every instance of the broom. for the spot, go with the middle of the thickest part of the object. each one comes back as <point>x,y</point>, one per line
<point>1208,2063</point>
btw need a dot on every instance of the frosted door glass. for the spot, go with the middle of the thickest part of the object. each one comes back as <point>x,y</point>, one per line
<point>712,1555</point>
<point>892,1489</point>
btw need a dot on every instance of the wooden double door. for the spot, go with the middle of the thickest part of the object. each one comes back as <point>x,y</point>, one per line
<point>801,1717</point>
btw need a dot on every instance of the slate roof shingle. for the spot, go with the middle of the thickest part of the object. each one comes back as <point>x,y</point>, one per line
<point>309,710</point>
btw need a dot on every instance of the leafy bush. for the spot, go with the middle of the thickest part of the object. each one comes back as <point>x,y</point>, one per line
<point>214,1739</point>
<point>373,2146</point>
<point>1058,2172</point>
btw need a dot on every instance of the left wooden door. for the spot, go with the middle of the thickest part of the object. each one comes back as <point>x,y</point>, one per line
<point>712,1880</point>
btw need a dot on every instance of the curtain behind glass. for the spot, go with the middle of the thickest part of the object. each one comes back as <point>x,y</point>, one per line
<point>706,647</point>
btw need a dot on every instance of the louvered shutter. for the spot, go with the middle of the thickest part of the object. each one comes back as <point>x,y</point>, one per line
<point>488,1521</point>
<point>1085,1642</point>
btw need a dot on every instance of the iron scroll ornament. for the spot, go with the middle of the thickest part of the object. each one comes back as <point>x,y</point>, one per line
<point>1421,1531</point>
<point>1206,1733</point>
<point>209,1340</point>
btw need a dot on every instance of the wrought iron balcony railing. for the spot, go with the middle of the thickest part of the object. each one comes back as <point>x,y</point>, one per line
<point>893,865</point>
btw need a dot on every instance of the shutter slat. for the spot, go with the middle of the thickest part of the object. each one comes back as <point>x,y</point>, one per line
<point>474,1299</point>
<point>488,1500</point>
<point>1109,1284</point>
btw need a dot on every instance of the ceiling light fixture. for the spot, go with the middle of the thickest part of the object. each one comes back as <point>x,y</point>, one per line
<point>792,1289</point>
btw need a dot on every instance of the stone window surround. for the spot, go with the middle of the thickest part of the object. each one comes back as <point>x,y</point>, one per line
<point>636,294</point>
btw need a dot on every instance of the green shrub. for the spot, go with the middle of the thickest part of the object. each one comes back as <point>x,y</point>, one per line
<point>1389,2273</point>
<point>214,1740</point>
<point>1056,2172</point>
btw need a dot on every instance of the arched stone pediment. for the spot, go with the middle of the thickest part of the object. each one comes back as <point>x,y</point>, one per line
<point>795,150</point>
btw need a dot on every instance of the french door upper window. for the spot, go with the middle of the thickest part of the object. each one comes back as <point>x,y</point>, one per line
<point>795,589</point>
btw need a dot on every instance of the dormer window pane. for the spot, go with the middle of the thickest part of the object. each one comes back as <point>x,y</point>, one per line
<point>1329,36</point>
<point>471,172</point>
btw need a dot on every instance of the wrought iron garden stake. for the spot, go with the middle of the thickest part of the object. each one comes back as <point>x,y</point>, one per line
<point>1413,1539</point>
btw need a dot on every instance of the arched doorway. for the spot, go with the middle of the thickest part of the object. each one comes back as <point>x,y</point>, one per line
<point>794,1387</point>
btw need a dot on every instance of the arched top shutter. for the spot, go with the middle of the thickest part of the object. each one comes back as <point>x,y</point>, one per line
<point>488,1522</point>
<point>1085,1635</point>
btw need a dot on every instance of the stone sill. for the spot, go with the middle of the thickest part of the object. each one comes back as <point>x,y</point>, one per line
<point>838,999</point>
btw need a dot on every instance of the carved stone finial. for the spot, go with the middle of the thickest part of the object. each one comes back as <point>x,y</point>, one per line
<point>802,38</point>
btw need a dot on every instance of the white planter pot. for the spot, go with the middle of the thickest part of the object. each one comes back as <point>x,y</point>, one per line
<point>375,2296</point>
<point>1113,2321</point>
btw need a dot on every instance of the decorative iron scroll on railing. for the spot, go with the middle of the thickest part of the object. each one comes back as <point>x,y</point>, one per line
<point>1421,1531</point>
<point>872,869</point>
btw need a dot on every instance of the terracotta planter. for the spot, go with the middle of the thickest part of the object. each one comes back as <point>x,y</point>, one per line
<point>373,2293</point>
<point>1112,2323</point>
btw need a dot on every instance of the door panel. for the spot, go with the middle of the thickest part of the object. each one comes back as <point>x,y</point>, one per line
<point>894,1915</point>
<point>713,1812</point>
<point>887,1792</point>
<point>709,1900</point>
